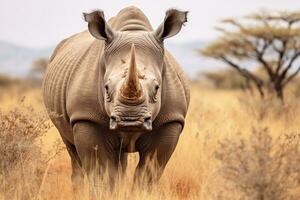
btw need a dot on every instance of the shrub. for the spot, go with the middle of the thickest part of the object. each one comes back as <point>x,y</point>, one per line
<point>258,168</point>
<point>22,162</point>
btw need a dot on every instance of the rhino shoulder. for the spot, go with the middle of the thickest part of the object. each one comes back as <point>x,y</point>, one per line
<point>175,94</point>
<point>181,76</point>
<point>57,48</point>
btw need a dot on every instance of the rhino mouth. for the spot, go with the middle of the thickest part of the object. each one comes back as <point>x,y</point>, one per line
<point>130,123</point>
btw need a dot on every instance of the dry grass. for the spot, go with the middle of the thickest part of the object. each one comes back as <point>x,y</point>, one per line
<point>22,160</point>
<point>257,168</point>
<point>230,141</point>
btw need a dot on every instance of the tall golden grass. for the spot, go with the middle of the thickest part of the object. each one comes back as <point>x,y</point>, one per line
<point>234,146</point>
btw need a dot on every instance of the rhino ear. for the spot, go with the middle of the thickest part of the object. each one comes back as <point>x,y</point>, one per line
<point>97,25</point>
<point>172,24</point>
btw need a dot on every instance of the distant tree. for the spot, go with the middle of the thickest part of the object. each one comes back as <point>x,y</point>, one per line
<point>6,80</point>
<point>269,40</point>
<point>39,66</point>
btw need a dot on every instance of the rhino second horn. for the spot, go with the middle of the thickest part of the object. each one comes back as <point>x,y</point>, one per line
<point>131,88</point>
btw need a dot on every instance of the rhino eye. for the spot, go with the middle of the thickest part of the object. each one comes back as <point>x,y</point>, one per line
<point>108,95</point>
<point>106,87</point>
<point>153,96</point>
<point>156,87</point>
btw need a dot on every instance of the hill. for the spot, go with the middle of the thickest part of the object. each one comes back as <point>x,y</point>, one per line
<point>16,60</point>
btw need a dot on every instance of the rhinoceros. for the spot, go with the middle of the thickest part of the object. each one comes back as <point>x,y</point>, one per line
<point>114,89</point>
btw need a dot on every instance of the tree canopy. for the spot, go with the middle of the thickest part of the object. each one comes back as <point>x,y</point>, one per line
<point>267,39</point>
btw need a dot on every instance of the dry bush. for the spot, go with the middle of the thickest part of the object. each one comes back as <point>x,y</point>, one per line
<point>258,168</point>
<point>22,162</point>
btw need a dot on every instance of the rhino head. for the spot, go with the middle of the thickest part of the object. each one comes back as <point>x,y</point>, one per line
<point>133,67</point>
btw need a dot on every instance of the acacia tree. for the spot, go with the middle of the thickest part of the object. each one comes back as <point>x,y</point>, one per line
<point>269,40</point>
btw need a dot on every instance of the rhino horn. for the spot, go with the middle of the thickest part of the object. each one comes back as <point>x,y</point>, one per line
<point>131,88</point>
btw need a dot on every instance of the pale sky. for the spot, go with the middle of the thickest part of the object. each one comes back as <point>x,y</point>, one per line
<point>41,23</point>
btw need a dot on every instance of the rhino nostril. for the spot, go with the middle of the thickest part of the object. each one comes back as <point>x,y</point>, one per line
<point>113,123</point>
<point>113,118</point>
<point>147,119</point>
<point>147,123</point>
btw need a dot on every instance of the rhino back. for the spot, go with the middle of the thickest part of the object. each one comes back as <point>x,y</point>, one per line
<point>130,18</point>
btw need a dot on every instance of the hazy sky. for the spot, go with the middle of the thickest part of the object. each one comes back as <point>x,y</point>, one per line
<point>41,23</point>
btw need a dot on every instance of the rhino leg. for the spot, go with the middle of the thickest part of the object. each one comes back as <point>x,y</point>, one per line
<point>155,150</point>
<point>65,130</point>
<point>97,155</point>
<point>123,162</point>
<point>77,173</point>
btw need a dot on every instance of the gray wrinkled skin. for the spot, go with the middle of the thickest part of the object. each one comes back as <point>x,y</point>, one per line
<point>114,89</point>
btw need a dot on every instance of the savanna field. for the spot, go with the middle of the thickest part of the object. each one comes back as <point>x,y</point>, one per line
<point>234,146</point>
<point>241,139</point>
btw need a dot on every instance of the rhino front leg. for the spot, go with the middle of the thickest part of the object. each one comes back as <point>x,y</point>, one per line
<point>155,150</point>
<point>95,150</point>
<point>77,173</point>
